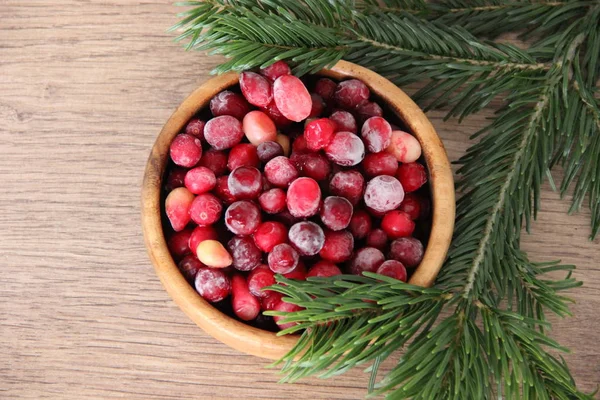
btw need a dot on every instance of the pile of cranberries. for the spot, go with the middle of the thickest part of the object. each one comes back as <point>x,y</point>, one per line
<point>283,180</point>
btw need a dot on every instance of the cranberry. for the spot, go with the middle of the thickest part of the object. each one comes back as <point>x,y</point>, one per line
<point>397,224</point>
<point>393,269</point>
<point>200,180</point>
<point>270,300</point>
<point>176,178</point>
<point>312,165</point>
<point>246,256</point>
<point>223,132</point>
<point>229,103</point>
<point>292,98</point>
<point>360,224</point>
<point>214,160</point>
<point>256,89</point>
<point>303,197</point>
<point>212,284</point>
<point>412,176</point>
<point>260,278</point>
<point>405,147</point>
<point>336,213</point>
<point>272,201</point>
<point>177,206</point>
<point>324,269</point>
<point>186,150</point>
<point>366,259</point>
<point>411,205</point>
<point>222,190</point>
<point>300,145</point>
<point>285,307</point>
<point>258,127</point>
<point>268,150</point>
<point>348,184</point>
<point>409,251</point>
<point>284,142</point>
<point>377,134</point>
<point>280,171</point>
<point>213,254</point>
<point>351,93</point>
<point>298,273</point>
<point>317,106</point>
<point>189,267</point>
<point>283,259</point>
<point>307,237</point>
<point>276,116</point>
<point>195,127</point>
<point>345,122</point>
<point>276,70</point>
<point>377,238</point>
<point>245,306</point>
<point>383,193</point>
<point>206,209</point>
<point>243,154</point>
<point>345,149</point>
<point>325,88</point>
<point>242,217</point>
<point>245,183</point>
<point>269,234</point>
<point>368,110</point>
<point>383,163</point>
<point>178,244</point>
<point>318,133</point>
<point>338,246</point>
<point>286,218</point>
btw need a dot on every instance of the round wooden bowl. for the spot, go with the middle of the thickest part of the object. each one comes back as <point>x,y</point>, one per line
<point>236,334</point>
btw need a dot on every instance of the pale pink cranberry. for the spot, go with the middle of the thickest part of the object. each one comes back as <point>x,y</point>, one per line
<point>288,308</point>
<point>377,134</point>
<point>383,193</point>
<point>412,176</point>
<point>318,105</point>
<point>206,209</point>
<point>272,201</point>
<point>307,237</point>
<point>269,302</point>
<point>367,259</point>
<point>280,171</point>
<point>266,151</point>
<point>345,122</point>
<point>229,103</point>
<point>298,273</point>
<point>223,132</point>
<point>345,149</point>
<point>212,284</point>
<point>324,269</point>
<point>195,127</point>
<point>258,127</point>
<point>200,180</point>
<point>177,206</point>
<point>382,163</point>
<point>276,70</point>
<point>312,165</point>
<point>222,190</point>
<point>242,217</point>
<point>408,250</point>
<point>299,145</point>
<point>276,116</point>
<point>243,154</point>
<point>377,238</point>
<point>369,109</point>
<point>325,88</point>
<point>411,205</point>
<point>360,224</point>
<point>338,246</point>
<point>397,224</point>
<point>256,88</point>
<point>189,267</point>
<point>351,93</point>
<point>284,141</point>
<point>336,213</point>
<point>405,147</point>
<point>393,269</point>
<point>186,150</point>
<point>348,184</point>
<point>245,183</point>
<point>176,178</point>
<point>200,234</point>
<point>303,197</point>
<point>215,160</point>
<point>246,256</point>
<point>318,133</point>
<point>245,306</point>
<point>260,278</point>
<point>178,243</point>
<point>292,98</point>
<point>283,258</point>
<point>213,254</point>
<point>269,234</point>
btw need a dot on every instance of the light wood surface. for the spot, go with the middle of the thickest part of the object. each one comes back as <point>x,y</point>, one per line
<point>85,87</point>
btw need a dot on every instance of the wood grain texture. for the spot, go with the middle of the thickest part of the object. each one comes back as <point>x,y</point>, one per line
<point>85,86</point>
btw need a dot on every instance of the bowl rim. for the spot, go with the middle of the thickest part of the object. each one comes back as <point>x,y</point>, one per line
<point>234,333</point>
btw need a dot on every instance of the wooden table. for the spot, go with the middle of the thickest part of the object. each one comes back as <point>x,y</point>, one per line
<point>85,87</point>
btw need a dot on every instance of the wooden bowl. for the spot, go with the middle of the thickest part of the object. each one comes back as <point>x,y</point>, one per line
<point>236,334</point>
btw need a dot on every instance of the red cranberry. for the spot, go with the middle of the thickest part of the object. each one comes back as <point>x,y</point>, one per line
<point>246,256</point>
<point>318,133</point>
<point>242,217</point>
<point>298,273</point>
<point>222,190</point>
<point>324,269</point>
<point>283,259</point>
<point>258,127</point>
<point>212,284</point>
<point>256,89</point>
<point>200,234</point>
<point>377,238</point>
<point>276,116</point>
<point>383,193</point>
<point>393,269</point>
<point>377,134</point>
<point>348,184</point>
<point>223,132</point>
<point>317,106</point>
<point>270,300</point>
<point>405,147</point>
<point>272,201</point>
<point>243,154</point>
<point>303,197</point>
<point>260,278</point>
<point>269,234</point>
<point>177,207</point>
<point>245,183</point>
<point>245,306</point>
<point>268,150</point>
<point>186,150</point>
<point>312,165</point>
<point>407,250</point>
<point>288,308</point>
<point>215,160</point>
<point>345,122</point>
<point>189,267</point>
<point>325,88</point>
<point>366,259</point>
<point>368,110</point>
<point>382,163</point>
<point>397,224</point>
<point>206,209</point>
<point>336,213</point>
<point>178,243</point>
<point>200,180</point>
<point>412,176</point>
<point>292,98</point>
<point>411,205</point>
<point>345,149</point>
<point>229,103</point>
<point>351,93</point>
<point>276,70</point>
<point>280,171</point>
<point>176,178</point>
<point>195,127</point>
<point>338,246</point>
<point>299,145</point>
<point>286,218</point>
<point>360,224</point>
<point>307,237</point>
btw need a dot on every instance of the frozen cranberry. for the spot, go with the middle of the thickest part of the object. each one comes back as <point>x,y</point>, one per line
<point>195,127</point>
<point>284,141</point>
<point>276,116</point>
<point>303,197</point>
<point>186,150</point>
<point>412,176</point>
<point>223,132</point>
<point>245,183</point>
<point>222,190</point>
<point>256,88</point>
<point>360,224</point>
<point>408,250</point>
<point>189,267</point>
<point>393,269</point>
<point>229,103</point>
<point>383,193</point>
<point>338,246</point>
<point>317,106</point>
<point>200,234</point>
<point>318,133</point>
<point>213,254</point>
<point>242,217</point>
<point>336,213</point>
<point>411,205</point>
<point>369,109</point>
<point>269,234</point>
<point>397,224</point>
<point>268,150</point>
<point>405,147</point>
<point>176,178</point>
<point>259,278</point>
<point>276,70</point>
<point>298,273</point>
<point>243,154</point>
<point>212,284</point>
<point>351,93</point>
<point>280,171</point>
<point>382,163</point>
<point>266,185</point>
<point>246,256</point>
<point>178,244</point>
<point>307,237</point>
<point>344,121</point>
<point>272,201</point>
<point>348,184</point>
<point>366,259</point>
<point>345,149</point>
<point>206,209</point>
<point>269,302</point>
<point>375,213</point>
<point>245,306</point>
<point>292,98</point>
<point>377,134</point>
<point>282,306</point>
<point>177,207</point>
<point>258,127</point>
<point>283,259</point>
<point>324,269</point>
<point>214,160</point>
<point>377,238</point>
<point>286,218</point>
<point>312,165</point>
<point>200,180</point>
<point>325,88</point>
<point>300,145</point>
